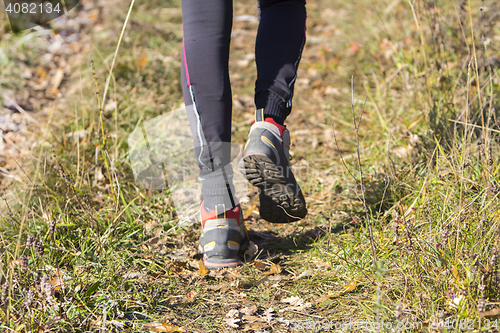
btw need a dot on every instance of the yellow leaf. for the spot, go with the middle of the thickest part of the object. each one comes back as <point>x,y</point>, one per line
<point>454,271</point>
<point>347,289</point>
<point>275,269</point>
<point>163,327</point>
<point>350,287</point>
<point>57,281</point>
<point>203,269</point>
<point>171,328</point>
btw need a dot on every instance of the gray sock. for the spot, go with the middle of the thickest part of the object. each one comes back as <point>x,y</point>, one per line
<point>217,188</point>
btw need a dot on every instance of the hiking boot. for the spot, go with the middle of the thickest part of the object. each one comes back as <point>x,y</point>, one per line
<point>224,236</point>
<point>266,162</point>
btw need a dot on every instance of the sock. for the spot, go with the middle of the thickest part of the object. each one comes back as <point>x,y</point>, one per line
<point>274,107</point>
<point>217,188</point>
<point>281,127</point>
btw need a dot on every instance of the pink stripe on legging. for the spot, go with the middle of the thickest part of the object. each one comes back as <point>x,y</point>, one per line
<point>185,61</point>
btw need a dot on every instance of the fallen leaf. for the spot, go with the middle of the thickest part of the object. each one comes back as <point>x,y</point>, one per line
<point>191,295</point>
<point>275,269</point>
<point>222,288</point>
<point>232,322</point>
<point>163,327</point>
<point>269,314</point>
<point>233,313</point>
<point>202,268</point>
<point>350,287</point>
<point>347,289</point>
<point>260,265</point>
<point>293,301</point>
<point>77,135</point>
<point>57,281</point>
<point>250,310</point>
<point>297,304</point>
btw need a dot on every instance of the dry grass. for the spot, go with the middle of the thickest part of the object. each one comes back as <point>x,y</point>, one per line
<point>85,249</point>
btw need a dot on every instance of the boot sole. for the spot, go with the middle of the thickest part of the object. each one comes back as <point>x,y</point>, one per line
<point>220,263</point>
<point>278,202</point>
<point>215,263</point>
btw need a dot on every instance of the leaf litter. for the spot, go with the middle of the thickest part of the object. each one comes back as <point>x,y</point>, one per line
<point>250,318</point>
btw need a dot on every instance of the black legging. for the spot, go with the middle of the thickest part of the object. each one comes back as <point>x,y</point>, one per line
<point>205,76</point>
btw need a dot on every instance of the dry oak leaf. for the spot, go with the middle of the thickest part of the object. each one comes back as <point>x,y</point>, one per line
<point>233,318</point>
<point>275,269</point>
<point>202,271</point>
<point>297,304</point>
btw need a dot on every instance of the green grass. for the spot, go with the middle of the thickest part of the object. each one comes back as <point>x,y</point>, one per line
<point>431,174</point>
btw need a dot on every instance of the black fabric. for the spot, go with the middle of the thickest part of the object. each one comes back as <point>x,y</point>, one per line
<point>207,35</point>
<point>207,28</point>
<point>217,188</point>
<point>278,48</point>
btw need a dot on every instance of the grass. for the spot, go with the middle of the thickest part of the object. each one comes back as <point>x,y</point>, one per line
<point>85,249</point>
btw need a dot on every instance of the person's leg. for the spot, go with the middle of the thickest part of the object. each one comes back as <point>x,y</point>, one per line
<point>207,93</point>
<point>280,39</point>
<point>278,48</point>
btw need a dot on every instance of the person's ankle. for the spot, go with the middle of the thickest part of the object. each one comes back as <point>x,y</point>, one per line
<point>209,203</point>
<point>271,120</point>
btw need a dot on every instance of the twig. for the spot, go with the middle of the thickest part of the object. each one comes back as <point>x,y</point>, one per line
<point>356,126</point>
